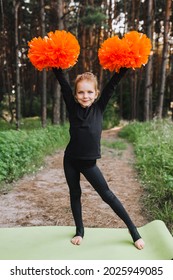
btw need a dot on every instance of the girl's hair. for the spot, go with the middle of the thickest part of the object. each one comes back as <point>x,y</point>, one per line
<point>87,76</point>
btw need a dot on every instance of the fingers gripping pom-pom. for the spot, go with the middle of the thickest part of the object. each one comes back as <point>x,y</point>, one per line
<point>59,49</point>
<point>132,51</point>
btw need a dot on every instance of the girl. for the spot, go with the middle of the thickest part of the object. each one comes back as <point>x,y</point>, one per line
<point>85,116</point>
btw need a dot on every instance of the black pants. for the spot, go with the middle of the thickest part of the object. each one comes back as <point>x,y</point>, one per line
<point>72,169</point>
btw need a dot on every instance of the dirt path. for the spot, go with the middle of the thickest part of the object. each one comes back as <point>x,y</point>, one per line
<point>43,199</point>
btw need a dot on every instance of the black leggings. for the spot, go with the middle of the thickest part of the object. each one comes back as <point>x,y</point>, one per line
<point>72,169</point>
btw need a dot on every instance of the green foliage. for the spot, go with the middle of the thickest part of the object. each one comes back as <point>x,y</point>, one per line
<point>117,145</point>
<point>25,124</point>
<point>153,142</point>
<point>4,125</point>
<point>23,151</point>
<point>132,131</point>
<point>111,117</point>
<point>92,16</point>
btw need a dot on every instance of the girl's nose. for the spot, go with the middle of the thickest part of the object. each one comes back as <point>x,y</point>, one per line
<point>85,95</point>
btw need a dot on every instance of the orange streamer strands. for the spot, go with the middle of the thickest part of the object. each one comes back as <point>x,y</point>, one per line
<point>37,53</point>
<point>132,51</point>
<point>111,54</point>
<point>59,49</point>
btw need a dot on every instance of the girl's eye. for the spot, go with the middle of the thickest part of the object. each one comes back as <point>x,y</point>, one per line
<point>82,92</point>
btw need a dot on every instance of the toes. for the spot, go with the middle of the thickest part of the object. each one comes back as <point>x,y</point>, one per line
<point>76,240</point>
<point>139,244</point>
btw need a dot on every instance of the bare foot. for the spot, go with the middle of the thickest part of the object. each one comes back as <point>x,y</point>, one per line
<point>139,244</point>
<point>76,240</point>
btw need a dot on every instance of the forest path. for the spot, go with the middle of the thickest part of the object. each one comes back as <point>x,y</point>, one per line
<point>43,198</point>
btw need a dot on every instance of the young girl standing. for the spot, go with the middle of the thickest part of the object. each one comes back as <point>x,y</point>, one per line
<point>85,108</point>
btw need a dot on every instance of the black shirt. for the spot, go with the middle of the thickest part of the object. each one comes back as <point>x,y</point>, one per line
<point>86,123</point>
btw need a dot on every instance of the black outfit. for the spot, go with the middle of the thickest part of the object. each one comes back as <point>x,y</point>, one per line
<point>84,149</point>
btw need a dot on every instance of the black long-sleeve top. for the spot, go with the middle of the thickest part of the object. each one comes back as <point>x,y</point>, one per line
<point>86,123</point>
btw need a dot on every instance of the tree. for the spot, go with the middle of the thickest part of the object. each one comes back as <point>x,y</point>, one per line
<point>18,85</point>
<point>44,89</point>
<point>164,56</point>
<point>58,105</point>
<point>148,78</point>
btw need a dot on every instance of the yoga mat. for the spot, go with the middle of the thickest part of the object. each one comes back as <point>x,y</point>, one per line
<point>53,243</point>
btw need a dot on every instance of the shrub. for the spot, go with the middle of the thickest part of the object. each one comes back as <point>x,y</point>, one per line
<point>153,143</point>
<point>23,151</point>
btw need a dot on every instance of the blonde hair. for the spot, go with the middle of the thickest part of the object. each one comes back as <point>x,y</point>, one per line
<point>89,77</point>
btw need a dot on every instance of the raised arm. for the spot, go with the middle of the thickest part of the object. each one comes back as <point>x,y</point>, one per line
<point>65,87</point>
<point>108,90</point>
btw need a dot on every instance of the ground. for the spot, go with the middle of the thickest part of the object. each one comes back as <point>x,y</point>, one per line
<point>43,199</point>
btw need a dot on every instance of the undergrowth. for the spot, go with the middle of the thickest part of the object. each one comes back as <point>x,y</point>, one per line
<point>23,151</point>
<point>117,145</point>
<point>153,143</point>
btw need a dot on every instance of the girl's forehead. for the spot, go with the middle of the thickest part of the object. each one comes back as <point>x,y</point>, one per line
<point>86,84</point>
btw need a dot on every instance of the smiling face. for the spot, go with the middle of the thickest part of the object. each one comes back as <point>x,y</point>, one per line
<point>86,93</point>
<point>86,89</point>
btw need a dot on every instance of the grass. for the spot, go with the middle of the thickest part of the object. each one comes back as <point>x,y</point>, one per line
<point>23,151</point>
<point>153,143</point>
<point>25,124</point>
<point>117,145</point>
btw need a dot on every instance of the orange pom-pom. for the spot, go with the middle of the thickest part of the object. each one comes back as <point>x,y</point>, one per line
<point>139,48</point>
<point>111,54</point>
<point>59,49</point>
<point>37,53</point>
<point>131,51</point>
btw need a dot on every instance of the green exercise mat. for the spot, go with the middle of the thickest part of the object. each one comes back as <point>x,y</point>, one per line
<point>53,243</point>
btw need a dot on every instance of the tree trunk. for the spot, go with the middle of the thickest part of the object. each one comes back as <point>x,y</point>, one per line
<point>18,90</point>
<point>164,57</point>
<point>58,105</point>
<point>44,75</point>
<point>148,79</point>
<point>134,95</point>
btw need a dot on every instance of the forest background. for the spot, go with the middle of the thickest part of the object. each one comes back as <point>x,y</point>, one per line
<point>26,92</point>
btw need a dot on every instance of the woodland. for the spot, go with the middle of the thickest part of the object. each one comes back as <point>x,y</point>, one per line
<point>144,94</point>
